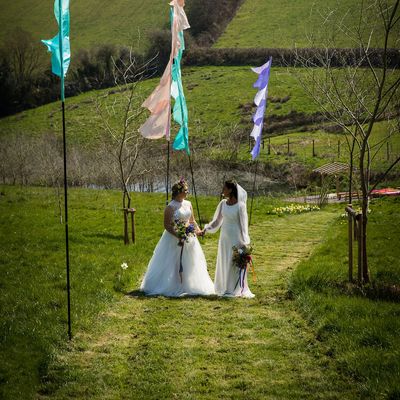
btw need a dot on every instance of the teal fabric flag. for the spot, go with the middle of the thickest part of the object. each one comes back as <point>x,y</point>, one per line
<point>59,45</point>
<point>180,112</point>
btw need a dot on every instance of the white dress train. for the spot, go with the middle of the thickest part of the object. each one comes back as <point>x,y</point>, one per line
<point>162,275</point>
<point>232,219</point>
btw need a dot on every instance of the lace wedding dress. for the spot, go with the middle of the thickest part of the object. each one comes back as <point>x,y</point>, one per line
<point>233,221</point>
<point>162,275</point>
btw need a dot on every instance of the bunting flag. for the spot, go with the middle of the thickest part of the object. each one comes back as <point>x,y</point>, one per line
<point>159,102</point>
<point>260,101</point>
<point>59,46</point>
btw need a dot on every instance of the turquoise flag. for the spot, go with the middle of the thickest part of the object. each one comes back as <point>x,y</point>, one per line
<point>59,45</point>
<point>180,112</point>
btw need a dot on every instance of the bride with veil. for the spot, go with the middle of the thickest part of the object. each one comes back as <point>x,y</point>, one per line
<point>231,217</point>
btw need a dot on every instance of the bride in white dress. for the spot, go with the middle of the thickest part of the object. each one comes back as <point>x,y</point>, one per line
<point>162,276</point>
<point>231,216</point>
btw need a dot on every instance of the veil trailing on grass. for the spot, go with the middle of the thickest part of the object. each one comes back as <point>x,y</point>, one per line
<point>244,220</point>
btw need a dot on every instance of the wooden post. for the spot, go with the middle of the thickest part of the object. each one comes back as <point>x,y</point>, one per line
<point>337,187</point>
<point>126,236</point>
<point>263,144</point>
<point>313,148</point>
<point>269,146</point>
<point>350,232</point>
<point>132,212</point>
<point>288,146</point>
<point>360,248</point>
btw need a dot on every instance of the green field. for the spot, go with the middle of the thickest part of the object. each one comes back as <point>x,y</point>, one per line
<point>121,22</point>
<point>323,344</point>
<point>360,333</point>
<point>304,23</point>
<point>214,96</point>
<point>258,23</point>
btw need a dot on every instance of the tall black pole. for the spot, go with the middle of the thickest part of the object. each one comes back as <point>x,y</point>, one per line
<point>60,37</point>
<point>252,192</point>
<point>194,190</point>
<point>66,220</point>
<point>168,157</point>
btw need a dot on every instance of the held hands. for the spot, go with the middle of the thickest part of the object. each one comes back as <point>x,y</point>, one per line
<point>200,233</point>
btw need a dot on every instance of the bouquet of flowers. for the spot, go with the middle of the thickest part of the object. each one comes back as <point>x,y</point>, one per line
<point>242,259</point>
<point>184,231</point>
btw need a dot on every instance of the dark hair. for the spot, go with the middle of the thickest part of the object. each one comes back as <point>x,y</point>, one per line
<point>231,184</point>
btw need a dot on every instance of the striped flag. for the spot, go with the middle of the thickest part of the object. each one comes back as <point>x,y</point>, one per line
<point>260,101</point>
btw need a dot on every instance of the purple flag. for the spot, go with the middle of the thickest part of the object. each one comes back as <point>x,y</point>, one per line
<point>260,101</point>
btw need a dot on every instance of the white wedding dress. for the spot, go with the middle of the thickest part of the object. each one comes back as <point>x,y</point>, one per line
<point>233,221</point>
<point>162,275</point>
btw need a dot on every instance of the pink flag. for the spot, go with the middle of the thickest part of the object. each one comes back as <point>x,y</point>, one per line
<point>159,102</point>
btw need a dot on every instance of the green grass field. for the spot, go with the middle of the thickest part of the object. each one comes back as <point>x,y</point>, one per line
<point>360,333</point>
<point>121,22</point>
<point>131,346</point>
<point>214,96</point>
<point>326,148</point>
<point>285,24</point>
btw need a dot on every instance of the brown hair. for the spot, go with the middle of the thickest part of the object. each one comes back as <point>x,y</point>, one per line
<point>179,187</point>
<point>231,184</point>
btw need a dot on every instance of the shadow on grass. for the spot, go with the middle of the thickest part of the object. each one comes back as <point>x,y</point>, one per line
<point>139,295</point>
<point>112,236</point>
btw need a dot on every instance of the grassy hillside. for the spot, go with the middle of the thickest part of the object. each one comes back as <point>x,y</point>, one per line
<point>214,96</point>
<point>287,23</point>
<point>121,22</point>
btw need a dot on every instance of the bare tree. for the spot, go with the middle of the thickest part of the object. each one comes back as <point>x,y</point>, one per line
<point>358,94</point>
<point>120,122</point>
<point>23,53</point>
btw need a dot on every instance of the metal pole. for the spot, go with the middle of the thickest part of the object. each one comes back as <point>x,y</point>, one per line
<point>65,169</point>
<point>194,190</point>
<point>66,221</point>
<point>167,184</point>
<point>252,193</point>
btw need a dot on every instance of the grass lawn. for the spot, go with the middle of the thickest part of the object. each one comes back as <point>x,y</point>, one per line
<point>326,148</point>
<point>285,24</point>
<point>211,110</point>
<point>360,333</point>
<point>130,346</point>
<point>121,22</point>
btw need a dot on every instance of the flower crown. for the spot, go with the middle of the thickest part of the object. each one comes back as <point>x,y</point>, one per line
<point>181,185</point>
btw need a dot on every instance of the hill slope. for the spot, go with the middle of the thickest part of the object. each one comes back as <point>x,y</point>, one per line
<point>121,22</point>
<point>285,23</point>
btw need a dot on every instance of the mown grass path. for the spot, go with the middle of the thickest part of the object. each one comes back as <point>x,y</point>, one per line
<point>198,348</point>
